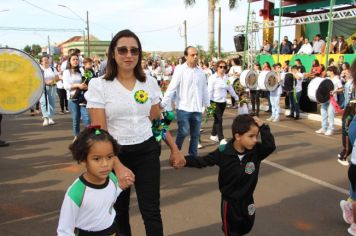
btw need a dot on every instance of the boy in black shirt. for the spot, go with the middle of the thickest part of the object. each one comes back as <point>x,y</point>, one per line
<point>239,162</point>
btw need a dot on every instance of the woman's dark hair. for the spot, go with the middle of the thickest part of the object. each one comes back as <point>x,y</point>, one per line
<point>316,62</point>
<point>268,65</point>
<point>347,65</point>
<point>112,68</point>
<point>43,57</point>
<point>258,65</point>
<point>69,66</point>
<point>242,124</point>
<point>333,69</point>
<point>237,61</point>
<point>81,146</point>
<point>220,62</point>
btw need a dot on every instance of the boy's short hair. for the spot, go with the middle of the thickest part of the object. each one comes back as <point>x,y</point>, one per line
<point>242,124</point>
<point>87,59</point>
<point>81,146</point>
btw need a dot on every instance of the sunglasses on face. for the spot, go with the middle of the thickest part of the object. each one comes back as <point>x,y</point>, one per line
<point>123,51</point>
<point>223,67</point>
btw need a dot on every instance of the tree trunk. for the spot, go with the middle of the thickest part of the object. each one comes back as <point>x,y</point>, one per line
<point>211,20</point>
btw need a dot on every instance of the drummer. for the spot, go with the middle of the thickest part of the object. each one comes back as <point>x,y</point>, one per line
<point>294,95</point>
<point>276,94</point>
<point>326,109</point>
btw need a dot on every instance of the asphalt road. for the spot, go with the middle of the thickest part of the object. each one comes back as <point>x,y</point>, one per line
<point>298,193</point>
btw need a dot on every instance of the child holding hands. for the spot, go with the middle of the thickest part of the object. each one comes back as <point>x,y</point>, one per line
<point>87,207</point>
<point>239,162</point>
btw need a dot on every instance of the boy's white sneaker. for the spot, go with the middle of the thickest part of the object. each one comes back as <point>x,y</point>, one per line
<point>214,138</point>
<point>329,132</point>
<point>275,119</point>
<point>347,214</point>
<point>51,121</point>
<point>270,119</point>
<point>352,229</point>
<point>45,121</point>
<point>320,131</point>
<point>200,146</point>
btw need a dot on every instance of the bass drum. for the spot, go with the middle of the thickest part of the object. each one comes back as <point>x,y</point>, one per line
<point>21,81</point>
<point>288,83</point>
<point>319,89</point>
<point>268,80</point>
<point>248,79</point>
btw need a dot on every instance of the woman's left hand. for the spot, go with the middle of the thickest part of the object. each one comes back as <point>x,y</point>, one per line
<point>177,159</point>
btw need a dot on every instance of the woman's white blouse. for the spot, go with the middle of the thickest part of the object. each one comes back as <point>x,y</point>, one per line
<point>69,79</point>
<point>218,87</point>
<point>127,120</point>
<point>48,73</point>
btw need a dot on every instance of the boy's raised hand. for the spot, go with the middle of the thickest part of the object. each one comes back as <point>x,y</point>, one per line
<point>258,121</point>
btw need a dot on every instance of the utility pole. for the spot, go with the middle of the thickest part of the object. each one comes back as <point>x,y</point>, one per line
<point>49,46</point>
<point>88,40</point>
<point>219,37</point>
<point>330,31</point>
<point>185,34</point>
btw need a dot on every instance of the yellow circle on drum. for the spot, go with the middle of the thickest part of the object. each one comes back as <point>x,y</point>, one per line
<point>21,81</point>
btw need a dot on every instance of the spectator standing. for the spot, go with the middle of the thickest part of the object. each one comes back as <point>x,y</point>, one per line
<point>306,48</point>
<point>190,90</point>
<point>341,46</point>
<point>318,44</point>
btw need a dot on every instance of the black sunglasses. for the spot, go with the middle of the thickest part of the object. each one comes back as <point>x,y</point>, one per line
<point>223,67</point>
<point>125,50</point>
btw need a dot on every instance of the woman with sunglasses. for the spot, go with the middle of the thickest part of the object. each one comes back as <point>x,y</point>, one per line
<point>125,101</point>
<point>218,85</point>
<point>72,81</point>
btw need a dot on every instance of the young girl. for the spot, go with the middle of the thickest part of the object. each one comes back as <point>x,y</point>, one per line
<point>239,162</point>
<point>87,207</point>
<point>347,117</point>
<point>243,104</point>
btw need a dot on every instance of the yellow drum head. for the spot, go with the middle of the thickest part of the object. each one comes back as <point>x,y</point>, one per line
<point>21,81</point>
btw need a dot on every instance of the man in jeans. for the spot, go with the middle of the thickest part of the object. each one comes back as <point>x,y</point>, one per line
<point>190,90</point>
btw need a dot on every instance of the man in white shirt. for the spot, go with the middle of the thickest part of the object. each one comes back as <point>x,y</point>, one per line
<point>318,44</point>
<point>189,88</point>
<point>306,48</point>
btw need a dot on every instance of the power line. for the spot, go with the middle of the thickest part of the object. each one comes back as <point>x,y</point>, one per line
<point>48,11</point>
<point>41,29</point>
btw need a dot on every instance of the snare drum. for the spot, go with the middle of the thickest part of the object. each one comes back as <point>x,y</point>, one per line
<point>21,81</point>
<point>248,79</point>
<point>319,89</point>
<point>268,80</point>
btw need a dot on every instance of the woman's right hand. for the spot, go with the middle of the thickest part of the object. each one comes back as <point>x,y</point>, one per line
<point>124,175</point>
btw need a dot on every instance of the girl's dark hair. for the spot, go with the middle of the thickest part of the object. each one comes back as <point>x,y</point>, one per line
<point>347,65</point>
<point>112,68</point>
<point>81,146</point>
<point>69,66</point>
<point>242,124</point>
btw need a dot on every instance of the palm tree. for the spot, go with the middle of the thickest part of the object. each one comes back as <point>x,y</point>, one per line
<point>211,18</point>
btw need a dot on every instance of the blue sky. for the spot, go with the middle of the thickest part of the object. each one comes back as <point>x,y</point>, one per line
<point>156,22</point>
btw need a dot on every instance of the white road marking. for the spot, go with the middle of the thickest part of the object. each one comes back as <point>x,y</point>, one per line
<point>307,177</point>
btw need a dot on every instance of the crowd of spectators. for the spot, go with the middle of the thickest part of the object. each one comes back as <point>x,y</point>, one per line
<point>338,45</point>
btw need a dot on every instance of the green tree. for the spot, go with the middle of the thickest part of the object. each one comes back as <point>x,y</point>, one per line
<point>27,49</point>
<point>33,50</point>
<point>211,17</point>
